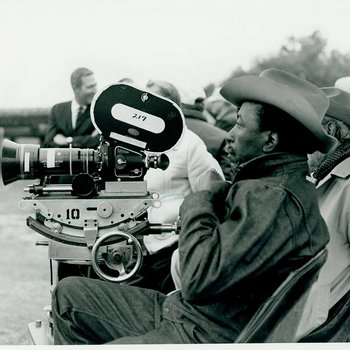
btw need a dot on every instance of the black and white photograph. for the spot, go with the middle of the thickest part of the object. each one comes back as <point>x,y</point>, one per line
<point>175,173</point>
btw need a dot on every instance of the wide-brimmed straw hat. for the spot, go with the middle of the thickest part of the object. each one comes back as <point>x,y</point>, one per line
<point>339,107</point>
<point>299,98</point>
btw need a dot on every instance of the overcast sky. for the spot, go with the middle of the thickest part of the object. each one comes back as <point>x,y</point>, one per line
<point>184,41</point>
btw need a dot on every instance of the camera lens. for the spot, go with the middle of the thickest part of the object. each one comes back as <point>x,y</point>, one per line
<point>25,161</point>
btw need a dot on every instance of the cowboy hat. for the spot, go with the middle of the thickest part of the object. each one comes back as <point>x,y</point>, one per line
<point>339,107</point>
<point>299,98</point>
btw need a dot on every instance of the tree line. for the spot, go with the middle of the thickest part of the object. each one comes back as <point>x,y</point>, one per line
<point>306,57</point>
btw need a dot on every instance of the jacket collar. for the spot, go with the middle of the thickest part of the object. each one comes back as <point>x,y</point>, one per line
<point>271,165</point>
<point>342,170</point>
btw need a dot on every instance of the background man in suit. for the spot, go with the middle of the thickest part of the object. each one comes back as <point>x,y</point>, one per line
<point>70,122</point>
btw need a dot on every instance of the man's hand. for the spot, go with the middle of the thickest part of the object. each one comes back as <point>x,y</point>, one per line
<point>211,181</point>
<point>61,140</point>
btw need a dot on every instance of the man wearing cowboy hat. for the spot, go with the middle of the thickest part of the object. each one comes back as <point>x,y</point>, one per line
<point>331,173</point>
<point>238,241</point>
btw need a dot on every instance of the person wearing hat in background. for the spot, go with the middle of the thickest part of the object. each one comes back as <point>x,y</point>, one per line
<point>224,112</point>
<point>238,240</point>
<point>331,174</point>
<point>192,105</point>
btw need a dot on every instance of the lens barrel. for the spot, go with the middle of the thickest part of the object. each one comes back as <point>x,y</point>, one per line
<point>26,161</point>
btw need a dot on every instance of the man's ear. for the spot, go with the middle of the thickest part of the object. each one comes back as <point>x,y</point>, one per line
<point>271,142</point>
<point>330,128</point>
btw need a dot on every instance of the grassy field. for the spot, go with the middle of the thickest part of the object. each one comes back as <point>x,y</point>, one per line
<point>24,269</point>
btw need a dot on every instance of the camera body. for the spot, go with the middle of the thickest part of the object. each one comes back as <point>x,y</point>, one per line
<point>92,204</point>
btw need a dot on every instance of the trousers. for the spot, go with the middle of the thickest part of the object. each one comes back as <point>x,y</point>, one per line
<point>89,311</point>
<point>155,271</point>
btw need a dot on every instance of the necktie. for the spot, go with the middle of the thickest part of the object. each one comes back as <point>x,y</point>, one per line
<point>80,116</point>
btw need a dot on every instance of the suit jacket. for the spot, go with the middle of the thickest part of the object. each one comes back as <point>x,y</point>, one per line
<point>60,122</point>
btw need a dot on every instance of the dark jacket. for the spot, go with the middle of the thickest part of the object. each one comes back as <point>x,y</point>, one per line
<point>60,122</point>
<point>234,253</point>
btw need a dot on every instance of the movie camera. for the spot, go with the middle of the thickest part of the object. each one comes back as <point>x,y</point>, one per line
<point>92,203</point>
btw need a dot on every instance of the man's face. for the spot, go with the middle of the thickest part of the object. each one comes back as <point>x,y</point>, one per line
<point>87,90</point>
<point>245,141</point>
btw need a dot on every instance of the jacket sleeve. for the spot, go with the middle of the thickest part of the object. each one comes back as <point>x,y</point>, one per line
<point>85,141</point>
<point>215,255</point>
<point>52,129</point>
<point>79,141</point>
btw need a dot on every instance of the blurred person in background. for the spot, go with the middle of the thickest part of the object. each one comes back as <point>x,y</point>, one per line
<point>224,112</point>
<point>127,80</point>
<point>331,174</point>
<point>188,160</point>
<point>69,122</point>
<point>192,105</point>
